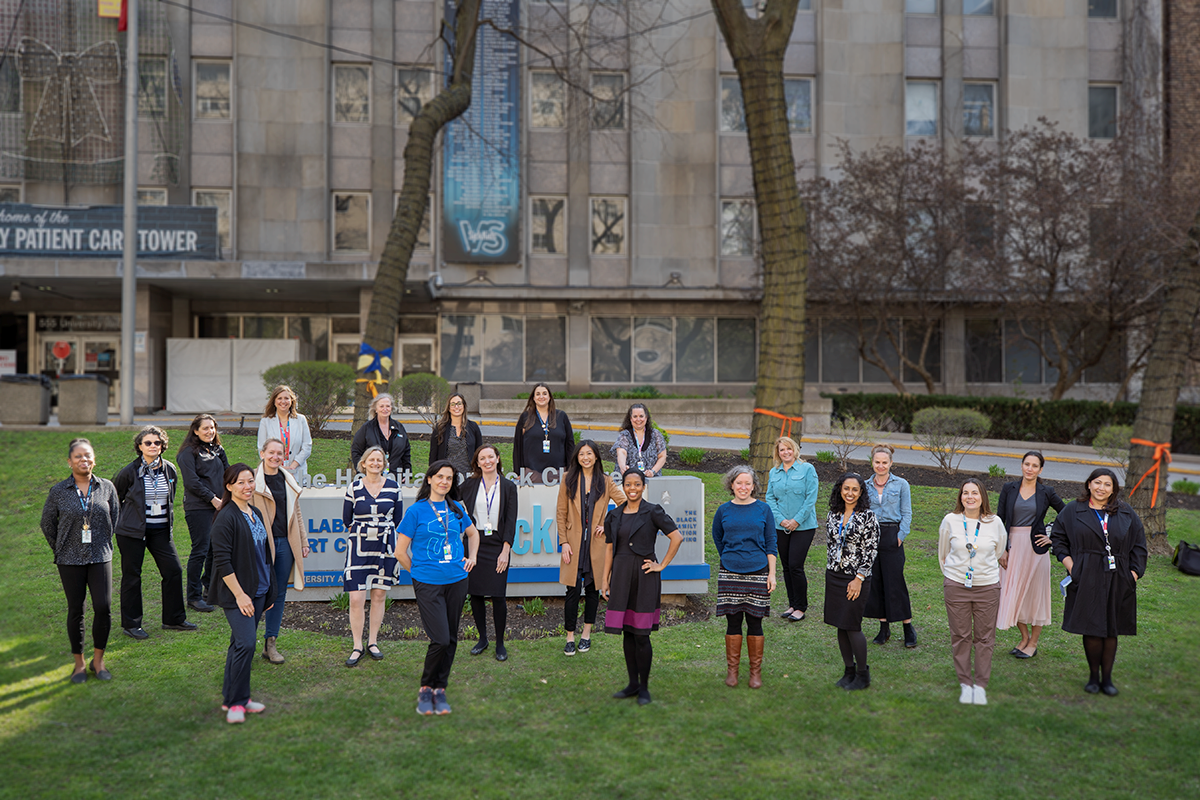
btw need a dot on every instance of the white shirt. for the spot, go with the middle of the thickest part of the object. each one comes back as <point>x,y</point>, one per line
<point>484,517</point>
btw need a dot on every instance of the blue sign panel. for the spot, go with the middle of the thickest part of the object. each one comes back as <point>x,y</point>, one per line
<point>176,232</point>
<point>481,187</point>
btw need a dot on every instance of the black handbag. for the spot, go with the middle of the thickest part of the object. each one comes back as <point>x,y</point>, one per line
<point>1187,558</point>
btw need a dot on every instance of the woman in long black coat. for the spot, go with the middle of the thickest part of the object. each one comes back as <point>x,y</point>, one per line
<point>1102,543</point>
<point>491,502</point>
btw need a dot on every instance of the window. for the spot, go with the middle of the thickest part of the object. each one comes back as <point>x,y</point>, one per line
<point>263,328</point>
<point>10,84</point>
<point>545,349</point>
<point>311,330</point>
<point>1103,230</point>
<point>222,201</point>
<point>548,225</point>
<point>1106,9</point>
<point>547,100</point>
<point>733,115</point>
<point>351,93</point>
<point>213,90</point>
<point>979,109</point>
<point>979,8</point>
<point>653,350</point>
<point>983,351</point>
<point>608,100</point>
<point>10,194</point>
<point>980,223</point>
<point>921,108</point>
<point>737,228</point>
<point>920,7</point>
<point>798,94</point>
<point>737,350</point>
<point>839,352</point>
<point>152,88</point>
<point>505,348</point>
<point>351,223</point>
<point>608,226</point>
<point>914,339</point>
<point>694,354</point>
<point>667,350</point>
<point>414,88</point>
<point>151,197</point>
<point>1022,358</point>
<point>1102,112</point>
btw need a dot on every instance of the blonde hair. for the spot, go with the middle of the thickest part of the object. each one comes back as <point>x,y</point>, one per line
<point>269,442</point>
<point>270,410</point>
<point>883,448</point>
<point>379,398</point>
<point>363,459</point>
<point>790,442</point>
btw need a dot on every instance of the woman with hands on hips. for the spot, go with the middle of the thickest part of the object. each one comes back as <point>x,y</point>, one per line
<point>852,532</point>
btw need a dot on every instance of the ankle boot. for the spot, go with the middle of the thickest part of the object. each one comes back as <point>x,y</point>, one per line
<point>862,679</point>
<point>270,653</point>
<point>885,633</point>
<point>754,648</point>
<point>847,678</point>
<point>733,659</point>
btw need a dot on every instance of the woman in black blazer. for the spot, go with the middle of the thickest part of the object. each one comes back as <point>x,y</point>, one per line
<point>1025,568</point>
<point>455,438</point>
<point>243,584</point>
<point>381,431</point>
<point>1101,542</point>
<point>543,437</point>
<point>491,502</point>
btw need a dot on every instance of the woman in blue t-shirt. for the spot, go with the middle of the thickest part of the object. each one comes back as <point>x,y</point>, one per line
<point>434,526</point>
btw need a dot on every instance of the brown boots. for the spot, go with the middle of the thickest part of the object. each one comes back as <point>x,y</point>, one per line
<point>754,646</point>
<point>733,659</point>
<point>270,653</point>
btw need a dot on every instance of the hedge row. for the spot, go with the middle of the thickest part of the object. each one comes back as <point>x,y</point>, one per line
<point>1018,419</point>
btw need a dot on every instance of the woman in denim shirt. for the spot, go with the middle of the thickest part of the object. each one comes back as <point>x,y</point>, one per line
<point>792,498</point>
<point>890,498</point>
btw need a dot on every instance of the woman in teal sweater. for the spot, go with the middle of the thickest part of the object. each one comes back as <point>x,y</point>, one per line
<point>792,497</point>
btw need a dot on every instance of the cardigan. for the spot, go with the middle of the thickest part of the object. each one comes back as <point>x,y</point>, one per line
<point>989,546</point>
<point>527,444</point>
<point>234,553</point>
<point>301,442</point>
<point>1097,593</point>
<point>744,536</point>
<point>792,494</point>
<point>62,522</point>
<point>860,546</point>
<point>569,525</point>
<point>1045,498</point>
<point>202,470</point>
<point>132,493</point>
<point>395,447</point>
<point>439,448</point>
<point>264,501</point>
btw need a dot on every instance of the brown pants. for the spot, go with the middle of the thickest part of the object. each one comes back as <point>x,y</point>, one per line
<point>972,615</point>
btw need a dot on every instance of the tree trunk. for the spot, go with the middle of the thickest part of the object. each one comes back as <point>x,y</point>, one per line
<point>388,289</point>
<point>758,47</point>
<point>1160,389</point>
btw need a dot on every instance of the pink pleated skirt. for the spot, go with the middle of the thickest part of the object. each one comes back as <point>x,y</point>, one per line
<point>1025,585</point>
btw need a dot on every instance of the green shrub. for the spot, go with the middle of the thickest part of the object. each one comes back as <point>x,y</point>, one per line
<point>826,456</point>
<point>535,606</point>
<point>340,601</point>
<point>1112,442</point>
<point>641,393</point>
<point>425,393</point>
<point>322,387</point>
<point>692,456</point>
<point>996,471</point>
<point>1185,487</point>
<point>744,454</point>
<point>666,436</point>
<point>948,433</point>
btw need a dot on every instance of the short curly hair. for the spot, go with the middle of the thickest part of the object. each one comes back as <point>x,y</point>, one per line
<point>741,469</point>
<point>147,431</point>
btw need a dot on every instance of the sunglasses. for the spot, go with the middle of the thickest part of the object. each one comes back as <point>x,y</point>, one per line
<point>152,443</point>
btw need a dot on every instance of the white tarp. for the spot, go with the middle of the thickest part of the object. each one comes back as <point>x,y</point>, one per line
<point>251,358</point>
<point>198,375</point>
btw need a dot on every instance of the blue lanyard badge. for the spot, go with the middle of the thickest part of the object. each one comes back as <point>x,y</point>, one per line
<point>85,503</point>
<point>1112,561</point>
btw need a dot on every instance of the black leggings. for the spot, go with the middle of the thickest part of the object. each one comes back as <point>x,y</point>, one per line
<point>793,551</point>
<point>499,615</point>
<point>1101,652</point>
<point>77,581</point>
<point>734,625</point>
<point>638,653</point>
<point>854,648</point>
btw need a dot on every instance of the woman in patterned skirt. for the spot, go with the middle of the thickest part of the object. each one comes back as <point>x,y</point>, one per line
<point>744,533</point>
<point>852,532</point>
<point>370,512</point>
<point>632,583</point>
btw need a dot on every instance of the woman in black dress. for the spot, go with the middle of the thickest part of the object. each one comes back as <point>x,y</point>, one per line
<point>632,582</point>
<point>381,431</point>
<point>853,535</point>
<point>1101,542</point>
<point>543,437</point>
<point>491,502</point>
<point>455,438</point>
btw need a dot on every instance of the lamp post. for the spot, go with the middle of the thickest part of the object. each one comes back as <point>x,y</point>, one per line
<point>129,258</point>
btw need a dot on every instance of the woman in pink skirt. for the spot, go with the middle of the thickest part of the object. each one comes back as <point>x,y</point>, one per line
<point>1025,570</point>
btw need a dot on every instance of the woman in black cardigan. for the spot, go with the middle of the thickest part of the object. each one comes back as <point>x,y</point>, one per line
<point>543,437</point>
<point>491,502</point>
<point>381,431</point>
<point>1025,568</point>
<point>202,464</point>
<point>243,584</point>
<point>455,438</point>
<point>1101,542</point>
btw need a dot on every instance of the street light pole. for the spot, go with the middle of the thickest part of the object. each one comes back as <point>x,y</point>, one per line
<point>129,259</point>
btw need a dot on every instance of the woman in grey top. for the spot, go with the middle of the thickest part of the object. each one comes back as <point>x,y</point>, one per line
<point>78,521</point>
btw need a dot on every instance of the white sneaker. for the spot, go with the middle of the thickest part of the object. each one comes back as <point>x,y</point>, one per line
<point>968,694</point>
<point>980,696</point>
<point>254,708</point>
<point>235,714</point>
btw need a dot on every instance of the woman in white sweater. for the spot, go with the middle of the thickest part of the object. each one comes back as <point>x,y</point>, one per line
<point>971,543</point>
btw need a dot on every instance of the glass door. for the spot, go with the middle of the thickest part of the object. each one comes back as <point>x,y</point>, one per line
<point>416,355</point>
<point>101,356</point>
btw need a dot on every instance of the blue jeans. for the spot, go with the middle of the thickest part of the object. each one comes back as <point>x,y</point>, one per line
<point>243,635</point>
<point>283,570</point>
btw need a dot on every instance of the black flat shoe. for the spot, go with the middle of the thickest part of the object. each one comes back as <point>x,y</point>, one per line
<point>138,633</point>
<point>480,646</point>
<point>1023,654</point>
<point>1015,651</point>
<point>79,677</point>
<point>201,606</point>
<point>353,660</point>
<point>1091,687</point>
<point>793,618</point>
<point>786,614</point>
<point>629,691</point>
<point>374,652</point>
<point>643,697</point>
<point>103,674</point>
<point>1109,689</point>
<point>183,626</point>
<point>501,652</point>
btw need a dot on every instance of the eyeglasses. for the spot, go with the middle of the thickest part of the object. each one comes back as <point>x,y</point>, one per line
<point>456,405</point>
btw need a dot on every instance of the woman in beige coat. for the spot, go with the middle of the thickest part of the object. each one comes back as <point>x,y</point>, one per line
<point>583,498</point>
<point>277,496</point>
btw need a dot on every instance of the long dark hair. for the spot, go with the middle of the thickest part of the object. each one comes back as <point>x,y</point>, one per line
<point>627,425</point>
<point>439,430</point>
<point>426,491</point>
<point>575,470</point>
<point>1114,499</point>
<point>230,477</point>
<point>530,412</point>
<point>838,505</point>
<point>192,439</point>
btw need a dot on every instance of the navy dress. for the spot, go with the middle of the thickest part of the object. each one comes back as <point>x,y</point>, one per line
<point>634,595</point>
<point>371,536</point>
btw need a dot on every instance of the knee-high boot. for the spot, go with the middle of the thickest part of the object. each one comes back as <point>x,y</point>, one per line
<point>754,646</point>
<point>733,659</point>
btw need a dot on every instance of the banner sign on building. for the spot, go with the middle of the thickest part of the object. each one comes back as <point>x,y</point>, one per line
<point>175,232</point>
<point>481,192</point>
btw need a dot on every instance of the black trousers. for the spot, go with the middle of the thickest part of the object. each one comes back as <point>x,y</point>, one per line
<point>133,553</point>
<point>793,552</point>
<point>243,642</point>
<point>199,563</point>
<point>77,581</point>
<point>888,599</point>
<point>591,602</point>
<point>441,610</point>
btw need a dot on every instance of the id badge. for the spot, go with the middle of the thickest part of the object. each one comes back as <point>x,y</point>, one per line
<point>641,465</point>
<point>87,533</point>
<point>969,581</point>
<point>1112,563</point>
<point>487,530</point>
<point>447,553</point>
<point>156,509</point>
<point>545,445</point>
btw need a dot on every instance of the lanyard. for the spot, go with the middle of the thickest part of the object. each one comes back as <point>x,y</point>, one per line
<point>488,496</point>
<point>443,521</point>
<point>1112,562</point>
<point>545,424</point>
<point>971,548</point>
<point>85,502</point>
<point>285,432</point>
<point>641,446</point>
<point>841,537</point>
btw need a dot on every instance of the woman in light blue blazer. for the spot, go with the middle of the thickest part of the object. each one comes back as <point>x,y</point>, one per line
<point>792,498</point>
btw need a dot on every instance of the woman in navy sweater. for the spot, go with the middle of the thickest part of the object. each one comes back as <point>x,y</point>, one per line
<point>743,530</point>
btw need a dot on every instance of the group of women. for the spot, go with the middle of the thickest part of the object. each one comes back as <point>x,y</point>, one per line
<point>456,542</point>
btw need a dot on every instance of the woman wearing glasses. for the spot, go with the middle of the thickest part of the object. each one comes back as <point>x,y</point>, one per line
<point>146,489</point>
<point>455,438</point>
<point>971,542</point>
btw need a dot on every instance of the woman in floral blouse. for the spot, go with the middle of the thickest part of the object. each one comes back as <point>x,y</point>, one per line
<point>852,532</point>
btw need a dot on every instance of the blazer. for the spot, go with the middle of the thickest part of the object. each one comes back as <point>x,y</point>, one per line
<point>569,526</point>
<point>1096,593</point>
<point>233,553</point>
<point>132,494</point>
<point>264,501</point>
<point>440,448</point>
<point>507,513</point>
<point>637,533</point>
<point>861,543</point>
<point>395,446</point>
<point>301,444</point>
<point>203,473</point>
<point>1045,497</point>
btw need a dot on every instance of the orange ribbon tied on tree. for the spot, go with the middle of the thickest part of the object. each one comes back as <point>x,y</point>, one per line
<point>787,421</point>
<point>1160,451</point>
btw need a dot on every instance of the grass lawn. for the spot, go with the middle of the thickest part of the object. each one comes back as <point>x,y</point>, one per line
<point>541,725</point>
